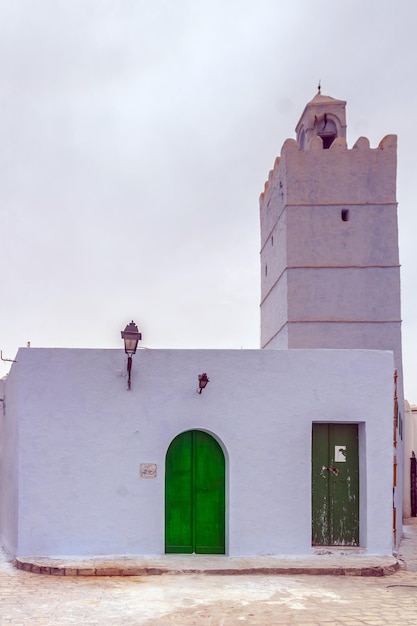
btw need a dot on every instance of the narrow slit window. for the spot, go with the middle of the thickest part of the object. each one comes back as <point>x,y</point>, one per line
<point>345,215</point>
<point>266,270</point>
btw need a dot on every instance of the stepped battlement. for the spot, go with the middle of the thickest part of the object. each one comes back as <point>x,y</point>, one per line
<point>382,156</point>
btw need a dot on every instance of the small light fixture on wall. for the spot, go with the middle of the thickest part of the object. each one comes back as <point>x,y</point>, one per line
<point>131,337</point>
<point>203,379</point>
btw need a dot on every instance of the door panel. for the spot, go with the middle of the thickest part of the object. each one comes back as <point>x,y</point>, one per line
<point>320,485</point>
<point>179,495</point>
<point>209,495</point>
<point>195,495</point>
<point>335,484</point>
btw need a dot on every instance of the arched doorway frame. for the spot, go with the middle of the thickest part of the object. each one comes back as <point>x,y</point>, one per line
<point>224,450</point>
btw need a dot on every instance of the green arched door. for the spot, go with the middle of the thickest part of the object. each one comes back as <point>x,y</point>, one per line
<point>195,495</point>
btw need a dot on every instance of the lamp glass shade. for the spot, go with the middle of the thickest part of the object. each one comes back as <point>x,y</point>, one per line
<point>131,343</point>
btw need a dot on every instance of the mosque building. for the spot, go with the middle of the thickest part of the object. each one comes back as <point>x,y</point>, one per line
<point>281,450</point>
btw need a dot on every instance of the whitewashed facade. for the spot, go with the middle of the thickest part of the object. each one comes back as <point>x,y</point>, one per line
<point>73,441</point>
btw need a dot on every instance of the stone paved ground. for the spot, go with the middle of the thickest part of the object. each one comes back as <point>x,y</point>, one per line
<point>207,600</point>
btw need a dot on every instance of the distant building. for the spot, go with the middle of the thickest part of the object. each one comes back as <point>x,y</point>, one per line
<point>410,487</point>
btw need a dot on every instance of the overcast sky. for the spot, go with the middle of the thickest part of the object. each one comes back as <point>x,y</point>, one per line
<point>135,139</point>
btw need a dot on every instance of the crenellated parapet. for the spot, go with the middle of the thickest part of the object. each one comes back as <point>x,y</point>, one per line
<point>314,175</point>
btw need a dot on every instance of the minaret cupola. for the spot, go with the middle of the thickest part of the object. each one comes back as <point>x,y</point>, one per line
<point>324,117</point>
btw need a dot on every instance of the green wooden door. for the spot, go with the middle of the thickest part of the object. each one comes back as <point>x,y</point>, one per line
<point>195,495</point>
<point>179,495</point>
<point>335,485</point>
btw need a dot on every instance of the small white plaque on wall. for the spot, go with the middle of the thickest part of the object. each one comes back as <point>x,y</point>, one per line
<point>340,454</point>
<point>148,470</point>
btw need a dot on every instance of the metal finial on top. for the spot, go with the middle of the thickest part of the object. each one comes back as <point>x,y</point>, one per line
<point>319,86</point>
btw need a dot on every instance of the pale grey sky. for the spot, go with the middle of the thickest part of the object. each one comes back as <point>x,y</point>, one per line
<point>135,139</point>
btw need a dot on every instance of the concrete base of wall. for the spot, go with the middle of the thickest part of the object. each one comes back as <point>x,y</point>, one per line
<point>336,563</point>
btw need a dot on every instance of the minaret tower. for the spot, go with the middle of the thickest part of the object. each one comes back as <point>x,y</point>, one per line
<point>329,241</point>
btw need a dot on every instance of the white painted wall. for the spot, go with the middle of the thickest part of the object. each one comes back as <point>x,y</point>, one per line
<point>9,460</point>
<point>82,437</point>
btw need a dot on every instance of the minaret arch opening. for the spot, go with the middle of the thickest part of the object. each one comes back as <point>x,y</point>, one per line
<point>324,117</point>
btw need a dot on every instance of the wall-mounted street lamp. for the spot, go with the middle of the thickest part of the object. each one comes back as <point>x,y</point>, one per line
<point>131,337</point>
<point>203,379</point>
